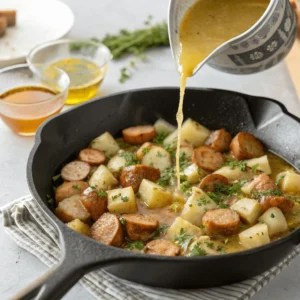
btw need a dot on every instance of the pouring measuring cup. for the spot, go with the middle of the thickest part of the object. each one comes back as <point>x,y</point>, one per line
<point>261,47</point>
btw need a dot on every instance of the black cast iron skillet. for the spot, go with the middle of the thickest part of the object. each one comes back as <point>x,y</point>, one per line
<point>59,140</point>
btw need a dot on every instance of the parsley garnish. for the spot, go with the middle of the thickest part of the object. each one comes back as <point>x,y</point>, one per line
<point>56,177</point>
<point>254,168</point>
<point>210,244</point>
<point>77,187</point>
<point>241,164</point>
<point>165,177</point>
<point>221,249</point>
<point>272,215</point>
<point>176,207</point>
<point>203,201</point>
<point>183,161</point>
<point>183,240</point>
<point>125,199</point>
<point>159,139</point>
<point>139,245</point>
<point>130,158</point>
<point>102,193</point>
<point>258,194</point>
<point>201,226</point>
<point>186,187</point>
<point>279,179</point>
<point>122,220</point>
<point>171,150</point>
<point>197,251</point>
<point>160,230</point>
<point>145,150</point>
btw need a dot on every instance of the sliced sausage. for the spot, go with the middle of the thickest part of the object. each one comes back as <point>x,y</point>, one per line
<point>108,230</point>
<point>262,182</point>
<point>284,204</point>
<point>93,157</point>
<point>207,158</point>
<point>221,221</point>
<point>139,227</point>
<point>162,247</point>
<point>143,150</point>
<point>219,140</point>
<point>208,182</point>
<point>75,170</point>
<point>68,189</point>
<point>133,175</point>
<point>245,146</point>
<point>94,203</point>
<point>139,134</point>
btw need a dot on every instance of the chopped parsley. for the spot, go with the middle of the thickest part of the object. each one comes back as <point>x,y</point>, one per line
<point>123,198</point>
<point>272,215</point>
<point>159,139</point>
<point>241,164</point>
<point>176,207</point>
<point>197,251</point>
<point>130,158</point>
<point>145,150</point>
<point>122,220</point>
<point>258,194</point>
<point>122,144</point>
<point>254,168</point>
<point>221,249</point>
<point>279,179</point>
<point>186,187</point>
<point>182,239</point>
<point>101,193</point>
<point>165,177</point>
<point>171,150</point>
<point>203,201</point>
<point>210,244</point>
<point>77,187</point>
<point>183,161</point>
<point>56,177</point>
<point>158,154</point>
<point>139,245</point>
<point>160,230</point>
<point>201,226</point>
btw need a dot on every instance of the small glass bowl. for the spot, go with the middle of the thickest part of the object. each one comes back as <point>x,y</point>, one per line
<point>25,116</point>
<point>84,61</point>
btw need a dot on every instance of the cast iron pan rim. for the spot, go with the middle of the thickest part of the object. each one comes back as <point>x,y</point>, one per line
<point>62,227</point>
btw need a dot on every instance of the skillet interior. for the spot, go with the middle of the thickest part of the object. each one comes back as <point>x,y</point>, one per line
<point>60,139</point>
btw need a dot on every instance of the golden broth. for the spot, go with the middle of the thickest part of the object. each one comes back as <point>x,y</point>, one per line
<point>205,26</point>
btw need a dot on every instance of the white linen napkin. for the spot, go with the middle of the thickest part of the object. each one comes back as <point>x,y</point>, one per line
<point>27,225</point>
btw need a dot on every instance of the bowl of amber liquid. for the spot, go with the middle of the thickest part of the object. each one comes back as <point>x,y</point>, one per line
<point>28,98</point>
<point>85,62</point>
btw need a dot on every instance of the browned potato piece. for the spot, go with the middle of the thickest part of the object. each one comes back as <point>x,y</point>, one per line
<point>75,170</point>
<point>80,227</point>
<point>219,140</point>
<point>94,203</point>
<point>10,16</point>
<point>207,158</point>
<point>133,176</point>
<point>208,182</point>
<point>93,157</point>
<point>245,146</point>
<point>139,227</point>
<point>284,204</point>
<point>71,209</point>
<point>140,153</point>
<point>162,247</point>
<point>139,134</point>
<point>68,189</point>
<point>108,230</point>
<point>221,221</point>
<point>3,26</point>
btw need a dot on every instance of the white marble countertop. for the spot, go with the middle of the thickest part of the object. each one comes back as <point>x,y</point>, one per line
<point>95,18</point>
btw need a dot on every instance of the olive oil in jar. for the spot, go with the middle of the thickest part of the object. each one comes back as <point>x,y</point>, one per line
<point>24,109</point>
<point>85,76</point>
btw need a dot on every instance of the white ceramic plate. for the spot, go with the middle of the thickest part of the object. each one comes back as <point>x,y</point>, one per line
<point>38,21</point>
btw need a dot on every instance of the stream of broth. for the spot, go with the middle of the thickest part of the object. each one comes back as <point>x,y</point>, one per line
<point>204,27</point>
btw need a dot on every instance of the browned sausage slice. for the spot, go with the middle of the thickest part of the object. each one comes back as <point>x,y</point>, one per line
<point>133,175</point>
<point>221,221</point>
<point>219,140</point>
<point>75,170</point>
<point>108,230</point>
<point>263,182</point>
<point>143,150</point>
<point>139,227</point>
<point>284,204</point>
<point>68,189</point>
<point>208,159</point>
<point>245,146</point>
<point>94,203</point>
<point>93,157</point>
<point>162,247</point>
<point>209,181</point>
<point>139,134</point>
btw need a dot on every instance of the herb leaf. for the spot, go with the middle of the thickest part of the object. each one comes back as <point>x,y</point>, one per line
<point>160,230</point>
<point>139,245</point>
<point>77,187</point>
<point>197,251</point>
<point>102,193</point>
<point>130,158</point>
<point>165,177</point>
<point>241,164</point>
<point>279,179</point>
<point>159,139</point>
<point>182,239</point>
<point>56,177</point>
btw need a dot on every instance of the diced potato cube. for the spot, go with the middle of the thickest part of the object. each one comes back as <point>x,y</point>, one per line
<point>121,201</point>
<point>154,195</point>
<point>171,138</point>
<point>116,164</point>
<point>206,244</point>
<point>275,220</point>
<point>194,174</point>
<point>248,209</point>
<point>71,209</point>
<point>79,226</point>
<point>162,126</point>
<point>102,179</point>
<point>247,188</point>
<point>188,228</point>
<point>196,206</point>
<point>234,174</point>
<point>157,157</point>
<point>290,183</point>
<point>106,143</point>
<point>262,164</point>
<point>255,236</point>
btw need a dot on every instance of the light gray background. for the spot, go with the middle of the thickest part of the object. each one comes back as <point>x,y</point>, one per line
<point>95,18</point>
